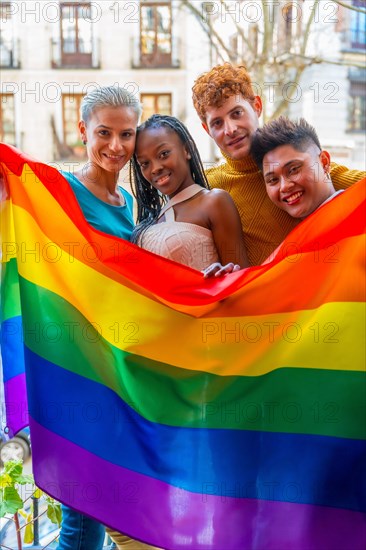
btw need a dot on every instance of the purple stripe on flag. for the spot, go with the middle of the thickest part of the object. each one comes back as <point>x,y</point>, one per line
<point>16,404</point>
<point>169,517</point>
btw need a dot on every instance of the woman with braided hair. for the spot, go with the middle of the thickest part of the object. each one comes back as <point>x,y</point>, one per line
<point>179,216</point>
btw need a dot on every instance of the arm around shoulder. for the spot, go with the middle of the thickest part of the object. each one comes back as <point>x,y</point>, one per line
<point>343,177</point>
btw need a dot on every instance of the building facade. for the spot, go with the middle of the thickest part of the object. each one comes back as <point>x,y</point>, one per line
<point>53,52</point>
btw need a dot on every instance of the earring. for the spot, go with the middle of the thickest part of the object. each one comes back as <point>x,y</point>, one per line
<point>84,141</point>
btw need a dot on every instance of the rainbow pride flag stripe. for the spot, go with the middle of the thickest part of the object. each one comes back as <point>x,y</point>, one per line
<point>189,414</point>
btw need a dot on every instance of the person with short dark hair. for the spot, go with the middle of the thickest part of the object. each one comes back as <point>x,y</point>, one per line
<point>294,166</point>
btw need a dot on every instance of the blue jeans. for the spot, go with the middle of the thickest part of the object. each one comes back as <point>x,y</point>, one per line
<point>79,532</point>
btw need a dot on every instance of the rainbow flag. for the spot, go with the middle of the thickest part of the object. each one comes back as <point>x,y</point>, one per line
<point>206,415</point>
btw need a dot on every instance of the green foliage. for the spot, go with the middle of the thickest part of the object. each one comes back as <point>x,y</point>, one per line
<point>54,513</point>
<point>11,502</point>
<point>10,477</point>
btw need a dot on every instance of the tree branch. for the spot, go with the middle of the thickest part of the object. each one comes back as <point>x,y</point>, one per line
<point>281,107</point>
<point>308,27</point>
<point>238,28</point>
<point>266,65</point>
<point>209,31</point>
<point>349,6</point>
<point>342,63</point>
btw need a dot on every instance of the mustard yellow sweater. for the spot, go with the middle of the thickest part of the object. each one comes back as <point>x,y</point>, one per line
<point>264,225</point>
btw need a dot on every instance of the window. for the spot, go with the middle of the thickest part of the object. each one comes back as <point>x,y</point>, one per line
<point>358,26</point>
<point>8,58</point>
<point>7,119</point>
<point>155,34</point>
<point>357,101</point>
<point>70,118</point>
<point>156,103</point>
<point>357,113</point>
<point>76,35</point>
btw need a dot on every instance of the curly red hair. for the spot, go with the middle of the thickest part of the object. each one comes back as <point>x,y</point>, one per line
<point>211,89</point>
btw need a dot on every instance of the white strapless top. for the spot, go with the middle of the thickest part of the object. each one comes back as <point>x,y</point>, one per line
<point>185,243</point>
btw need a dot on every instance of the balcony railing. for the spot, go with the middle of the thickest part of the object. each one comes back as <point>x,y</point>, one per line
<point>63,59</point>
<point>9,55</point>
<point>157,59</point>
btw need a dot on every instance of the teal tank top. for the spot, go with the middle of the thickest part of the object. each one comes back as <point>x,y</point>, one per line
<point>114,220</point>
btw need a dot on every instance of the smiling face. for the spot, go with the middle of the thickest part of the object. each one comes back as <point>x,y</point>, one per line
<point>110,134</point>
<point>232,125</point>
<point>297,181</point>
<point>163,160</point>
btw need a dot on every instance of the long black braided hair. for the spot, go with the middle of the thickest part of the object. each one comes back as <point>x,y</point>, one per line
<point>149,200</point>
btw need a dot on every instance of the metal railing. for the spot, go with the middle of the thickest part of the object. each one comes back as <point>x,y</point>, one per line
<point>158,60</point>
<point>61,59</point>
